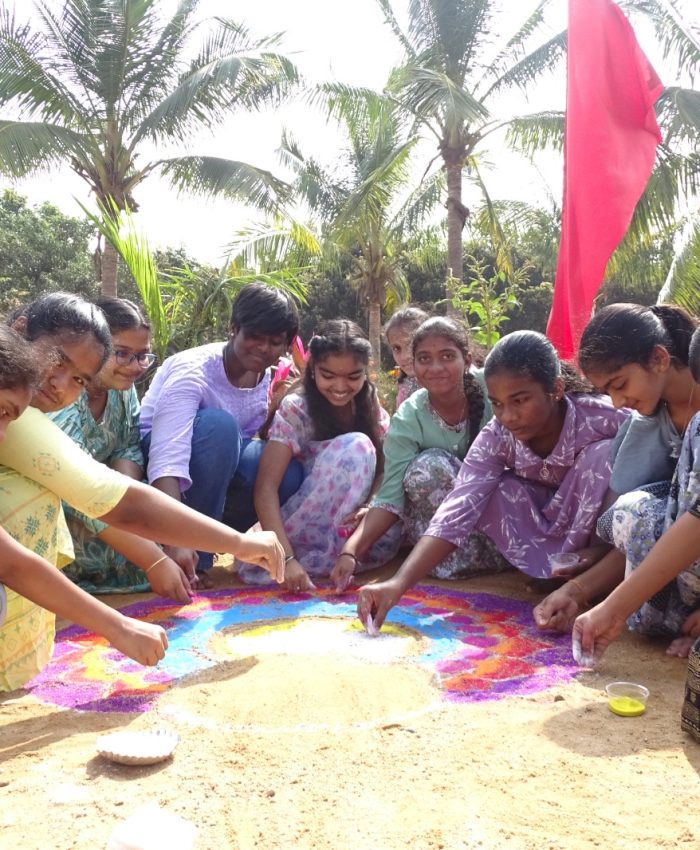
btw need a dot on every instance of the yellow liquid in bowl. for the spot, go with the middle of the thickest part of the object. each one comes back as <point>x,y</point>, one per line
<point>626,706</point>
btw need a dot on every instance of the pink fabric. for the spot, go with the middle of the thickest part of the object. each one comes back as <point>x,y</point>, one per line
<point>609,149</point>
<point>531,506</point>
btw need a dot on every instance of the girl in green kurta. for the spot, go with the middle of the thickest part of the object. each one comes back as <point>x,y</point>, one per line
<point>104,421</point>
<point>423,450</point>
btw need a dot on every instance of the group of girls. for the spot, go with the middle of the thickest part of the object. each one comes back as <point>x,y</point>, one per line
<point>646,359</point>
<point>478,470</point>
<point>56,348</point>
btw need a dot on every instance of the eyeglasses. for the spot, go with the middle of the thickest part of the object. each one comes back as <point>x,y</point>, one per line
<point>125,358</point>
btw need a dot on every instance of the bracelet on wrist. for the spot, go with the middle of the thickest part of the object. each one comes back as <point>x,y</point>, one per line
<point>288,558</point>
<point>155,563</point>
<point>577,584</point>
<point>350,555</point>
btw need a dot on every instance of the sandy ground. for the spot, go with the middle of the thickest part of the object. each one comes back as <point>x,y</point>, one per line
<point>282,752</point>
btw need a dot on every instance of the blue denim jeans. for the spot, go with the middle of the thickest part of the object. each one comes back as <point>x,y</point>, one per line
<point>223,467</point>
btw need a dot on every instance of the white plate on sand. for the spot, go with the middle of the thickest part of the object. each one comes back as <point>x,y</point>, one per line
<point>138,747</point>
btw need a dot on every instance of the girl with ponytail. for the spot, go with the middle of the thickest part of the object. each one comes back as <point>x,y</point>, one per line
<point>333,425</point>
<point>640,356</point>
<point>428,437</point>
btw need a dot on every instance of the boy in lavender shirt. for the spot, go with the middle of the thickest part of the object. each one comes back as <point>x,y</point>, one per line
<point>205,405</point>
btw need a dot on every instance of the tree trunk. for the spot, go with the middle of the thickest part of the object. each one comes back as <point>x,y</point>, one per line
<point>109,263</point>
<point>456,216</point>
<point>375,321</point>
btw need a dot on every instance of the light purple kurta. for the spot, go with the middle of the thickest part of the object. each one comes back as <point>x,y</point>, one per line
<point>186,383</point>
<point>530,506</point>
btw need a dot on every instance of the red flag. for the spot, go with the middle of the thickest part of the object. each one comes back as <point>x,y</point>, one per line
<point>609,148</point>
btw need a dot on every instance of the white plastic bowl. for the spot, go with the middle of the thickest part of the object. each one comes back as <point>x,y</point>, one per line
<point>138,747</point>
<point>628,699</point>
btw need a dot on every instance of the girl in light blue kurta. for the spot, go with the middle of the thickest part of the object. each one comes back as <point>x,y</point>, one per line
<point>104,421</point>
<point>423,450</point>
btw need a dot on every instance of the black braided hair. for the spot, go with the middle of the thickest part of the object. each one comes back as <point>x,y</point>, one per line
<point>341,336</point>
<point>628,333</point>
<point>456,333</point>
<point>532,355</point>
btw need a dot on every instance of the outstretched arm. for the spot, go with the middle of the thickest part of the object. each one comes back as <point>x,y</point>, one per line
<point>33,577</point>
<point>375,523</point>
<point>147,512</point>
<point>674,552</point>
<point>375,600</point>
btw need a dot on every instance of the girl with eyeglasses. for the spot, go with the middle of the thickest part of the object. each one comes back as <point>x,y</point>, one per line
<point>104,421</point>
<point>72,338</point>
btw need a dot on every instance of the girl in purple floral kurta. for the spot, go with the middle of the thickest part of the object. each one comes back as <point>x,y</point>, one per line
<point>528,505</point>
<point>333,425</point>
<point>535,478</point>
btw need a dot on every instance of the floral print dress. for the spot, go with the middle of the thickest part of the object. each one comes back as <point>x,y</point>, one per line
<point>97,568</point>
<point>639,520</point>
<point>338,477</point>
<point>422,458</point>
<point>530,506</point>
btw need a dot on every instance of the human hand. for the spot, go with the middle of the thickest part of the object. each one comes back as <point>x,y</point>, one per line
<point>296,579</point>
<point>559,610</point>
<point>186,559</point>
<point>375,601</point>
<point>586,558</point>
<point>594,631</point>
<point>343,571</point>
<point>169,580</point>
<point>144,642</point>
<point>263,549</point>
<point>349,523</point>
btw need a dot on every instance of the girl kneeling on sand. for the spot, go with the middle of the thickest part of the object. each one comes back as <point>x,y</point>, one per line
<point>534,479</point>
<point>424,448</point>
<point>639,357</point>
<point>333,425</point>
<point>661,592</point>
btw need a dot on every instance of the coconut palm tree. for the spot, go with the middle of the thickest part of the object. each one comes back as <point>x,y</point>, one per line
<point>359,207</point>
<point>457,65</point>
<point>670,200</point>
<point>100,84</point>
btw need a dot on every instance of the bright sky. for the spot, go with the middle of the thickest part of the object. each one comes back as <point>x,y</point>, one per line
<point>345,40</point>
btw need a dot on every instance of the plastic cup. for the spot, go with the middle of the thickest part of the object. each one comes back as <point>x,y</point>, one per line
<point>628,699</point>
<point>563,560</point>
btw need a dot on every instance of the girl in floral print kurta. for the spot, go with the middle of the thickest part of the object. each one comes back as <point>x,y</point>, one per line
<point>534,479</point>
<point>104,421</point>
<point>333,425</point>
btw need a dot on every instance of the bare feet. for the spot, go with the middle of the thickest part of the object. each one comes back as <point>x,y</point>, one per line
<point>680,647</point>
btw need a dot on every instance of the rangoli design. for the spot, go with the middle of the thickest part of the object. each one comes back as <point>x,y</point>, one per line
<point>478,646</point>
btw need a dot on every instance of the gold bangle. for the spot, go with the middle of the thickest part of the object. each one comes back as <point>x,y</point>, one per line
<point>579,587</point>
<point>155,563</point>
